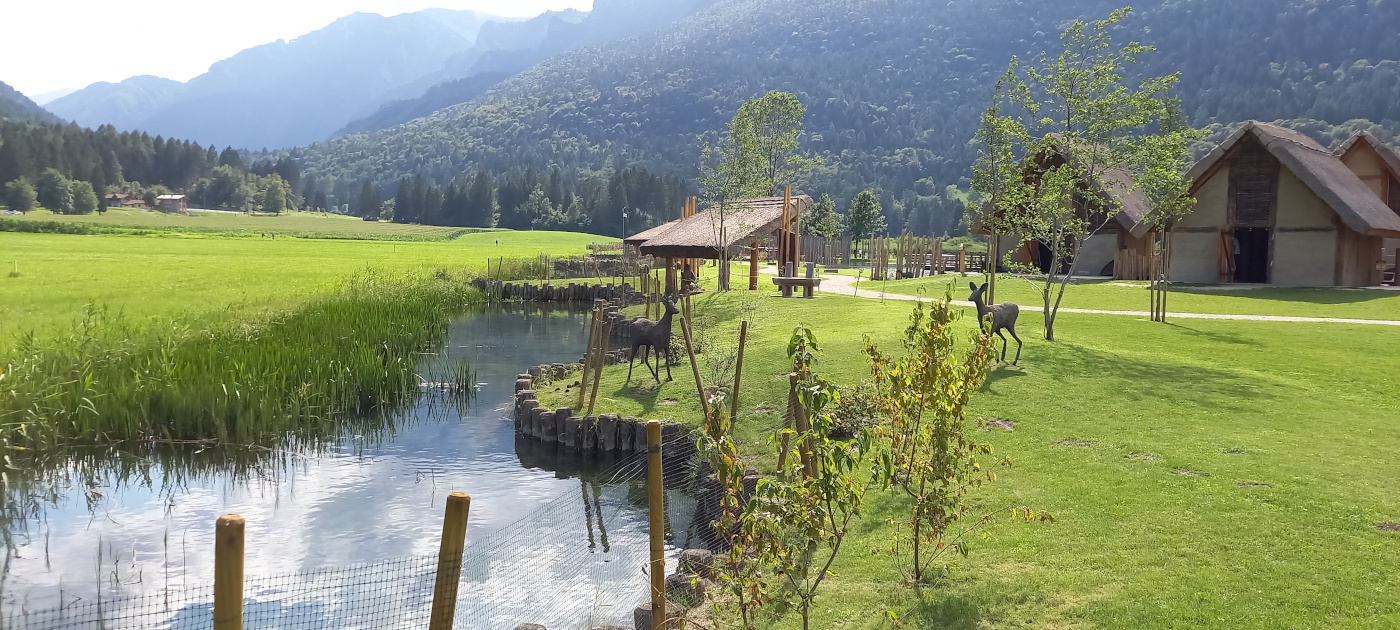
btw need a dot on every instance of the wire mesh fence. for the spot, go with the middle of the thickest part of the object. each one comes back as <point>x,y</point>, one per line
<point>579,561</point>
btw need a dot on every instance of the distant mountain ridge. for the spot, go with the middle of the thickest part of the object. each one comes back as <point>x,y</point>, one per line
<point>286,92</point>
<point>18,107</point>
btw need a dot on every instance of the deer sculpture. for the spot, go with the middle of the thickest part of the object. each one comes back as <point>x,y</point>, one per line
<point>1003,317</point>
<point>656,336</point>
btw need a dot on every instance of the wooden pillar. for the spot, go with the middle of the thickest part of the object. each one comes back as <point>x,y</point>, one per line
<point>656,494</point>
<point>796,228</point>
<point>449,567</point>
<point>962,259</point>
<point>670,276</point>
<point>228,572</point>
<point>753,266</point>
<point>993,245</point>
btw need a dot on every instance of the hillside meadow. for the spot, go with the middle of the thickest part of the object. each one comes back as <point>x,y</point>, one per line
<point>1202,473</point>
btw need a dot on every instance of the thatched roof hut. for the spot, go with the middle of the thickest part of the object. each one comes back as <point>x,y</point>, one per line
<point>637,239</point>
<point>698,236</point>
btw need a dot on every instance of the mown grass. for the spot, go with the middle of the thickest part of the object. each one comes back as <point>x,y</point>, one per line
<point>287,224</point>
<point>153,279</point>
<point>1119,295</point>
<point>1231,473</point>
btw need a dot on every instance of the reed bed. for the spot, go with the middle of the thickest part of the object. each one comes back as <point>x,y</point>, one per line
<point>305,373</point>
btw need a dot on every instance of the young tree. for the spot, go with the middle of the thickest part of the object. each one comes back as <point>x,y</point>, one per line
<point>84,198</point>
<point>922,399</point>
<point>369,201</point>
<point>822,219</point>
<point>767,128</point>
<point>149,197</point>
<point>20,196</point>
<point>1077,121</point>
<point>98,179</point>
<point>864,219</point>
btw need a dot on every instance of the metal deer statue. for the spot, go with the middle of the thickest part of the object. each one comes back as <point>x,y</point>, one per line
<point>1003,317</point>
<point>656,336</point>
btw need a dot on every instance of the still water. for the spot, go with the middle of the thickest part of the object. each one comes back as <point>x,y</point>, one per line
<point>363,499</point>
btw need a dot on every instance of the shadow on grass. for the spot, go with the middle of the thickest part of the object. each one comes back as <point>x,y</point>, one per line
<point>1000,373</point>
<point>1215,336</point>
<point>1320,295</point>
<point>1136,379</point>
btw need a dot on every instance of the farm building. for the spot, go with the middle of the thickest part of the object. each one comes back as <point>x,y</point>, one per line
<point>173,203</point>
<point>1379,168</point>
<point>700,236</point>
<point>1118,213</point>
<point>1274,206</point>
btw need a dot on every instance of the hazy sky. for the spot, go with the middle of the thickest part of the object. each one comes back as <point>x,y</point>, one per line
<point>66,44</point>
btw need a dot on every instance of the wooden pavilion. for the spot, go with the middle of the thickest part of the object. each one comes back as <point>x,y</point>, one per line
<point>711,235</point>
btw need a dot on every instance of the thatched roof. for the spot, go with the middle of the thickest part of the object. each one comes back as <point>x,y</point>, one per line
<point>646,235</point>
<point>1321,170</point>
<point>696,236</point>
<point>1392,161</point>
<point>1117,189</point>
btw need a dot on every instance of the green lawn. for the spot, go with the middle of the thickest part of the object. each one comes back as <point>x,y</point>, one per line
<point>1234,474</point>
<point>304,224</point>
<point>181,276</point>
<point>1119,295</point>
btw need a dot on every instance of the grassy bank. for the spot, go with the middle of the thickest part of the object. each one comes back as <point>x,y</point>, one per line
<point>304,372</point>
<point>154,279</point>
<point>1203,474</point>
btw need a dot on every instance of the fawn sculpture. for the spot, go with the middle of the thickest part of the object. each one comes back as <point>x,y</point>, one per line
<point>656,336</point>
<point>1003,317</point>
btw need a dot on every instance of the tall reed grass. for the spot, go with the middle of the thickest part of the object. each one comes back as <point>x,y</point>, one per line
<point>303,373</point>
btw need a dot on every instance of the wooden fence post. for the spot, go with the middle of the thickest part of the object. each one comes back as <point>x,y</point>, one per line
<point>753,266</point>
<point>228,572</point>
<point>657,500</point>
<point>449,567</point>
<point>738,373</point>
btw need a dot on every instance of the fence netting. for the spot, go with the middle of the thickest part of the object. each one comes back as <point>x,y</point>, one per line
<point>579,561</point>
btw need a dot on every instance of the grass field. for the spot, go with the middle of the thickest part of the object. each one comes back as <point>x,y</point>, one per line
<point>1119,295</point>
<point>298,224</point>
<point>1203,474</point>
<point>156,277</point>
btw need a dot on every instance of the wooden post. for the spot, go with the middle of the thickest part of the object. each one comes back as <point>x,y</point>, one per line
<point>962,258</point>
<point>588,356</point>
<point>670,276</point>
<point>993,246</point>
<point>797,227</point>
<point>738,373</point>
<point>695,368</point>
<point>753,266</point>
<point>600,355</point>
<point>228,572</point>
<point>656,494</point>
<point>449,567</point>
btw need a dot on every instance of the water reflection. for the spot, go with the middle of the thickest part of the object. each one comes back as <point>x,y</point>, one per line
<point>131,522</point>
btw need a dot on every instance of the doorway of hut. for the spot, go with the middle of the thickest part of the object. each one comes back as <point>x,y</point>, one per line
<point>1252,255</point>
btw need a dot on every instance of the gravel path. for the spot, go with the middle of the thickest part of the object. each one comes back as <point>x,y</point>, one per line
<point>845,285</point>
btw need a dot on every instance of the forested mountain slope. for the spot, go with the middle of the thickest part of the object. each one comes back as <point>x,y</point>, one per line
<point>505,48</point>
<point>17,107</point>
<point>893,87</point>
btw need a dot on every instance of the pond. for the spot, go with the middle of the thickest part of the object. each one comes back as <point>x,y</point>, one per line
<point>363,499</point>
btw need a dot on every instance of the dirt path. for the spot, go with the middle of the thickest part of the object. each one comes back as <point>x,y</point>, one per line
<point>845,285</point>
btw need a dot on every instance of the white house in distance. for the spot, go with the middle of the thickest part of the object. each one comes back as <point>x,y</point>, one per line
<point>1275,207</point>
<point>173,203</point>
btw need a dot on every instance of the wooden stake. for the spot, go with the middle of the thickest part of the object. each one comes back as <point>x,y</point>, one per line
<point>738,373</point>
<point>600,359</point>
<point>796,230</point>
<point>753,266</point>
<point>449,567</point>
<point>588,358</point>
<point>656,494</point>
<point>228,572</point>
<point>695,369</point>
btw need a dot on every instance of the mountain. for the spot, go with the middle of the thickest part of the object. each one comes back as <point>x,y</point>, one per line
<point>18,107</point>
<point>505,48</point>
<point>894,88</point>
<point>125,105</point>
<point>287,92</point>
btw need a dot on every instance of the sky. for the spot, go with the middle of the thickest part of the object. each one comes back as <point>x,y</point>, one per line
<point>51,45</point>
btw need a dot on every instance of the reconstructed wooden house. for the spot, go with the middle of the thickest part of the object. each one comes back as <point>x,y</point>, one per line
<point>1378,166</point>
<point>1274,206</point>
